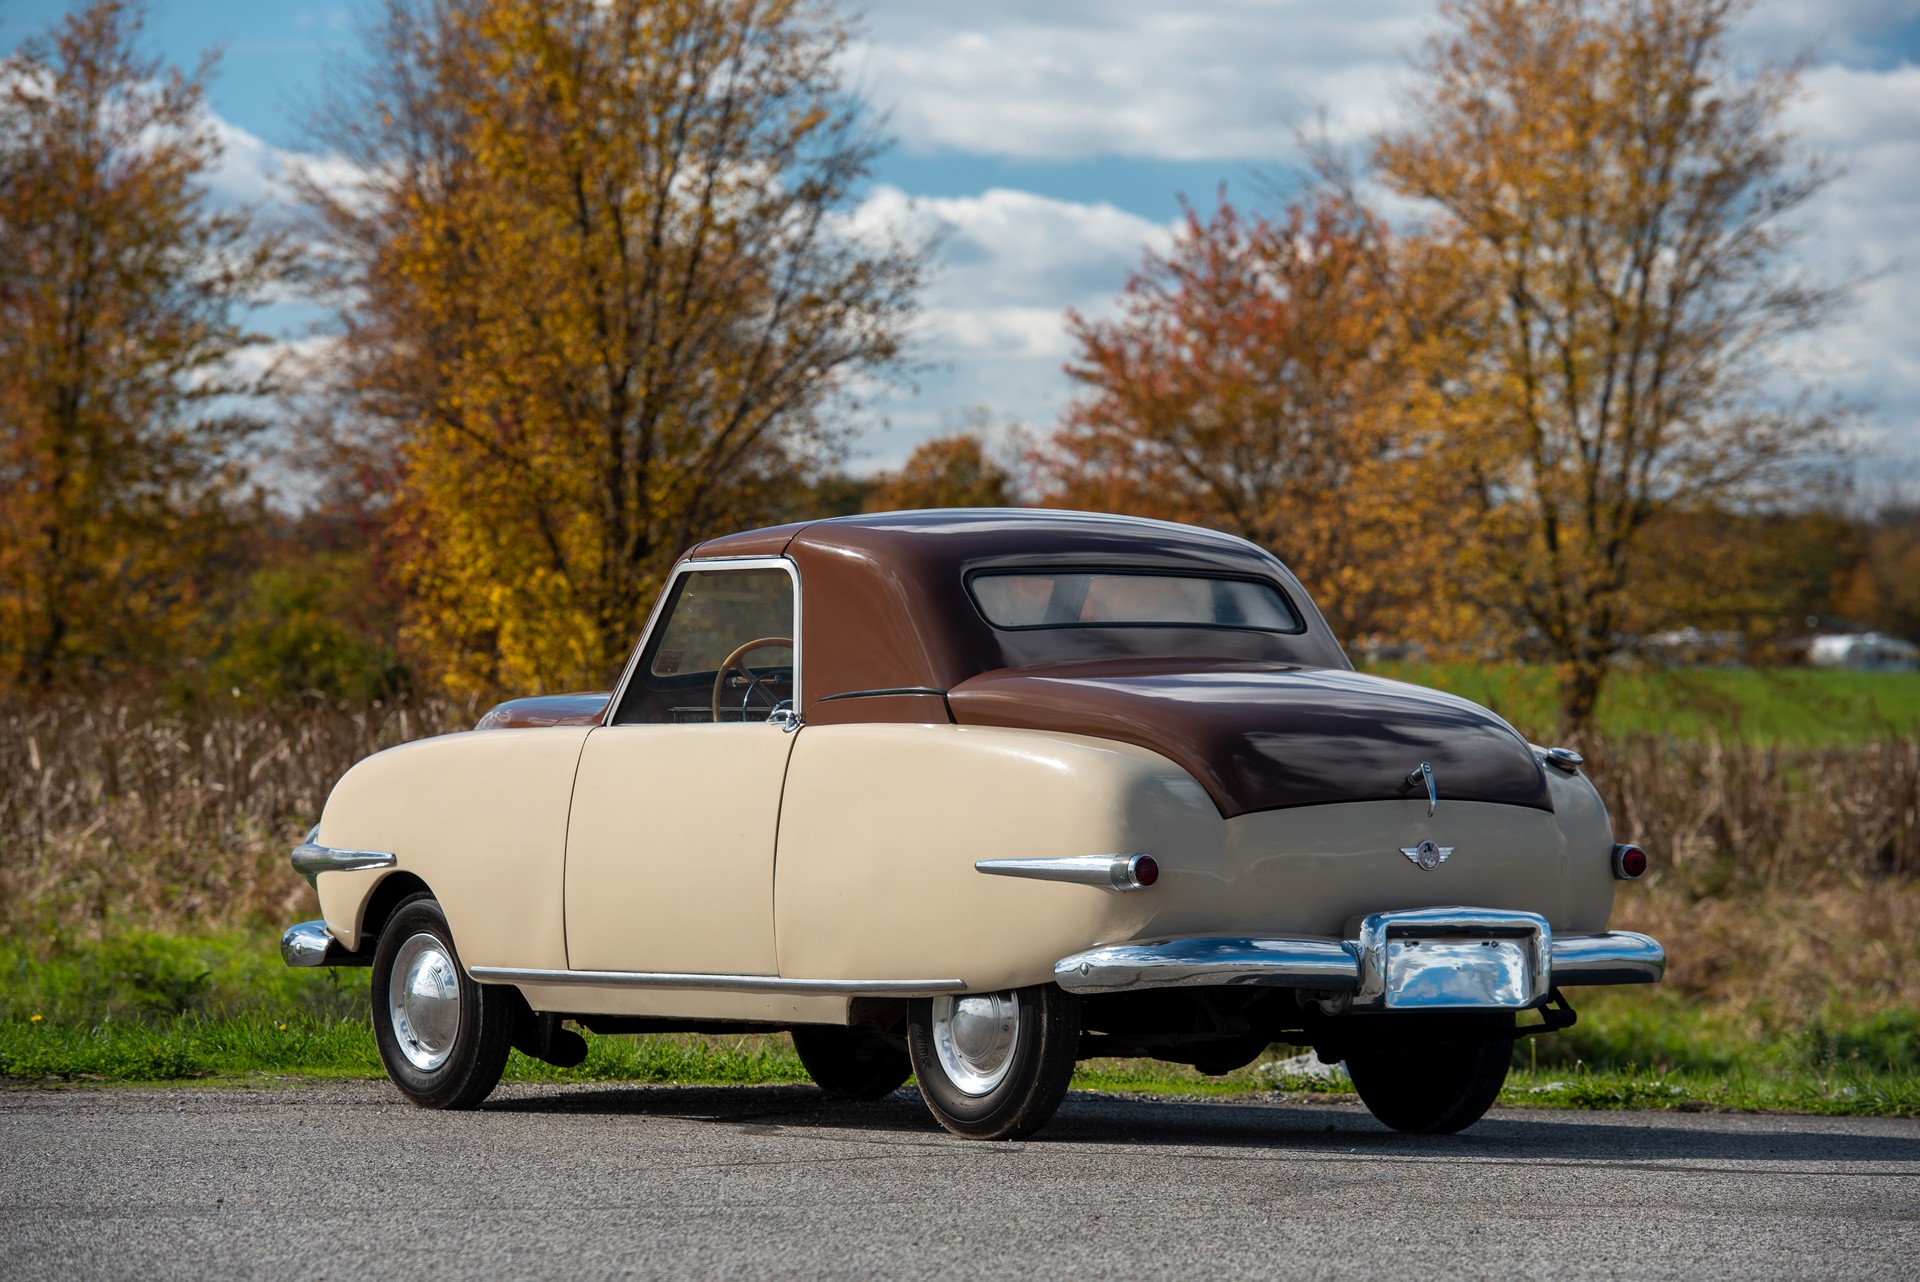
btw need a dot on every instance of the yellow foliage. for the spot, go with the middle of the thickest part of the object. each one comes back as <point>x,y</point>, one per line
<point>602,305</point>
<point>1620,196</point>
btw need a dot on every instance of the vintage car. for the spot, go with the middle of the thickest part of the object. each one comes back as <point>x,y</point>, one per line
<point>971,795</point>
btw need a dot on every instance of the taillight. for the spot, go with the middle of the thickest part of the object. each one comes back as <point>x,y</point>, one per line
<point>1629,861</point>
<point>1145,870</point>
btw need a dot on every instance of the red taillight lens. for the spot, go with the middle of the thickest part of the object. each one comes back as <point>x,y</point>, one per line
<point>1629,861</point>
<point>1146,870</point>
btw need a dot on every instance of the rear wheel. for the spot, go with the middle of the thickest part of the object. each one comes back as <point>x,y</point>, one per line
<point>1435,1087</point>
<point>443,1038</point>
<point>852,1063</point>
<point>995,1066</point>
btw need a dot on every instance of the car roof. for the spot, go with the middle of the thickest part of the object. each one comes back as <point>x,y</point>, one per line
<point>971,532</point>
<point>885,606</point>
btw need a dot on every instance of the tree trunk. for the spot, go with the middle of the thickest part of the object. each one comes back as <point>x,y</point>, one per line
<point>1580,682</point>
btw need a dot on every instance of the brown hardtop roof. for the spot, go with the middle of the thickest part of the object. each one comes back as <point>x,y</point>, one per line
<point>888,626</point>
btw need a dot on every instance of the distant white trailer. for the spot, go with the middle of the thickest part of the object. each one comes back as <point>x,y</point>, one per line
<point>1864,652</point>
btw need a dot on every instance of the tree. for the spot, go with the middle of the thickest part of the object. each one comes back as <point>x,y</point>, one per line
<point>1625,196</point>
<point>120,297</point>
<point>599,290</point>
<point>947,471</point>
<point>1252,382</point>
<point>1883,589</point>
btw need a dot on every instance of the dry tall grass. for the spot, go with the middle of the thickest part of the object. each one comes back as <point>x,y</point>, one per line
<point>120,815</point>
<point>1785,877</point>
<point>1786,880</point>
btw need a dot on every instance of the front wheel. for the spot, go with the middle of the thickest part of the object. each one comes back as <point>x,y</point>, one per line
<point>1435,1087</point>
<point>443,1038</point>
<point>994,1066</point>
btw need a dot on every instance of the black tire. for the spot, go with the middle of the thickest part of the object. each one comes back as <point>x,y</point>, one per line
<point>483,1035</point>
<point>852,1063</point>
<point>1045,1045</point>
<point>1435,1087</point>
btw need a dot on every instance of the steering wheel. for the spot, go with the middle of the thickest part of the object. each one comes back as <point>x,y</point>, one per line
<point>733,663</point>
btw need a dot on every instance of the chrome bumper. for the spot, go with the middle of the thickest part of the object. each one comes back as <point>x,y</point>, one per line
<point>1361,967</point>
<point>310,943</point>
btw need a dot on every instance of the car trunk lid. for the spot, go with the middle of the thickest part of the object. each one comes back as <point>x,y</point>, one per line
<point>1265,736</point>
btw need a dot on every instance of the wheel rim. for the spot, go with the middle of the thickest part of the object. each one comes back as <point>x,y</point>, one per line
<point>974,1037</point>
<point>423,1001</point>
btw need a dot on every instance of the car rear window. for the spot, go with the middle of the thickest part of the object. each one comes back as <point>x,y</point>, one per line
<point>1120,598</point>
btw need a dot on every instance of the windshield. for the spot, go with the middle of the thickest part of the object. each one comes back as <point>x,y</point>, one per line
<point>1120,598</point>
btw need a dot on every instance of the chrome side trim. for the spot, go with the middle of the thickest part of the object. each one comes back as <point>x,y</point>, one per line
<point>1616,957</point>
<point>308,943</point>
<point>719,983</point>
<point>310,858</point>
<point>1322,964</point>
<point>1110,872</point>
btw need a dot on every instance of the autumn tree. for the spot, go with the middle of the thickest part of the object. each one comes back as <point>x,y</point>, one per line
<point>600,292</point>
<point>947,471</point>
<point>1251,382</point>
<point>121,298</point>
<point>1883,588</point>
<point>1624,193</point>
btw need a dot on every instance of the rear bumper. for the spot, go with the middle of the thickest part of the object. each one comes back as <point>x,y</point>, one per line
<point>1359,966</point>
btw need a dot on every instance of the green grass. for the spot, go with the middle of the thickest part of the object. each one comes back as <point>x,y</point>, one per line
<point>157,1009</point>
<point>197,1048</point>
<point>1786,705</point>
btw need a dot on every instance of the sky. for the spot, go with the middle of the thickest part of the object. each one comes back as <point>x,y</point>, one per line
<point>1049,145</point>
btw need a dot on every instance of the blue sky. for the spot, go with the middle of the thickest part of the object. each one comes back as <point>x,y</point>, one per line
<point>1048,144</point>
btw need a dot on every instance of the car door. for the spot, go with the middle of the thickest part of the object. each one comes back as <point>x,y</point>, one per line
<point>670,841</point>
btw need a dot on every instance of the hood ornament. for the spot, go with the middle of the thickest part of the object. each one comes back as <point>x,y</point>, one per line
<point>1427,855</point>
<point>1423,773</point>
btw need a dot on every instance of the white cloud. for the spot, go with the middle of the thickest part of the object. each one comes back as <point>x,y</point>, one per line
<point>252,171</point>
<point>1234,79</point>
<point>992,331</point>
<point>1863,122</point>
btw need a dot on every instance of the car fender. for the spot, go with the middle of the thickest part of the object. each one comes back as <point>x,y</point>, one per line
<point>481,818</point>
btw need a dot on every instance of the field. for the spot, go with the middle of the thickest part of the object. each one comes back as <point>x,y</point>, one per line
<point>143,882</point>
<point>1797,706</point>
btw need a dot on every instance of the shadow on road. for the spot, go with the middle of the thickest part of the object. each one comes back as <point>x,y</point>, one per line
<point>1106,1120</point>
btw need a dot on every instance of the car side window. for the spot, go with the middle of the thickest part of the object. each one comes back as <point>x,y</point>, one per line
<point>722,652</point>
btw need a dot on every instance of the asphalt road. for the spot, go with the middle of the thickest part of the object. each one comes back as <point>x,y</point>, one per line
<point>345,1182</point>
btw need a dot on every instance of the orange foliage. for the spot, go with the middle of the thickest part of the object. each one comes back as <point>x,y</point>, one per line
<point>948,471</point>
<point>1254,382</point>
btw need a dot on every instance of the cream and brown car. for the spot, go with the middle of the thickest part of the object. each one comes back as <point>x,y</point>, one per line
<point>972,795</point>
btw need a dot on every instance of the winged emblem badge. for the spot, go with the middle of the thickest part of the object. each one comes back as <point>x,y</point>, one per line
<point>1428,855</point>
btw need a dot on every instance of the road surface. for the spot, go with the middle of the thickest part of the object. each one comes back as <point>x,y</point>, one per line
<point>581,1182</point>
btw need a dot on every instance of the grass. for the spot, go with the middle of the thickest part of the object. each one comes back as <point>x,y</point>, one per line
<point>155,1009</point>
<point>193,1048</point>
<point>1799,706</point>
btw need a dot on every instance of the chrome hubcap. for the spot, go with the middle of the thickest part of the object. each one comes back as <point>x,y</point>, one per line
<point>974,1037</point>
<point>423,1001</point>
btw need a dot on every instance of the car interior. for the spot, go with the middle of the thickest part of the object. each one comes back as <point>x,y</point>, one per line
<point>723,653</point>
